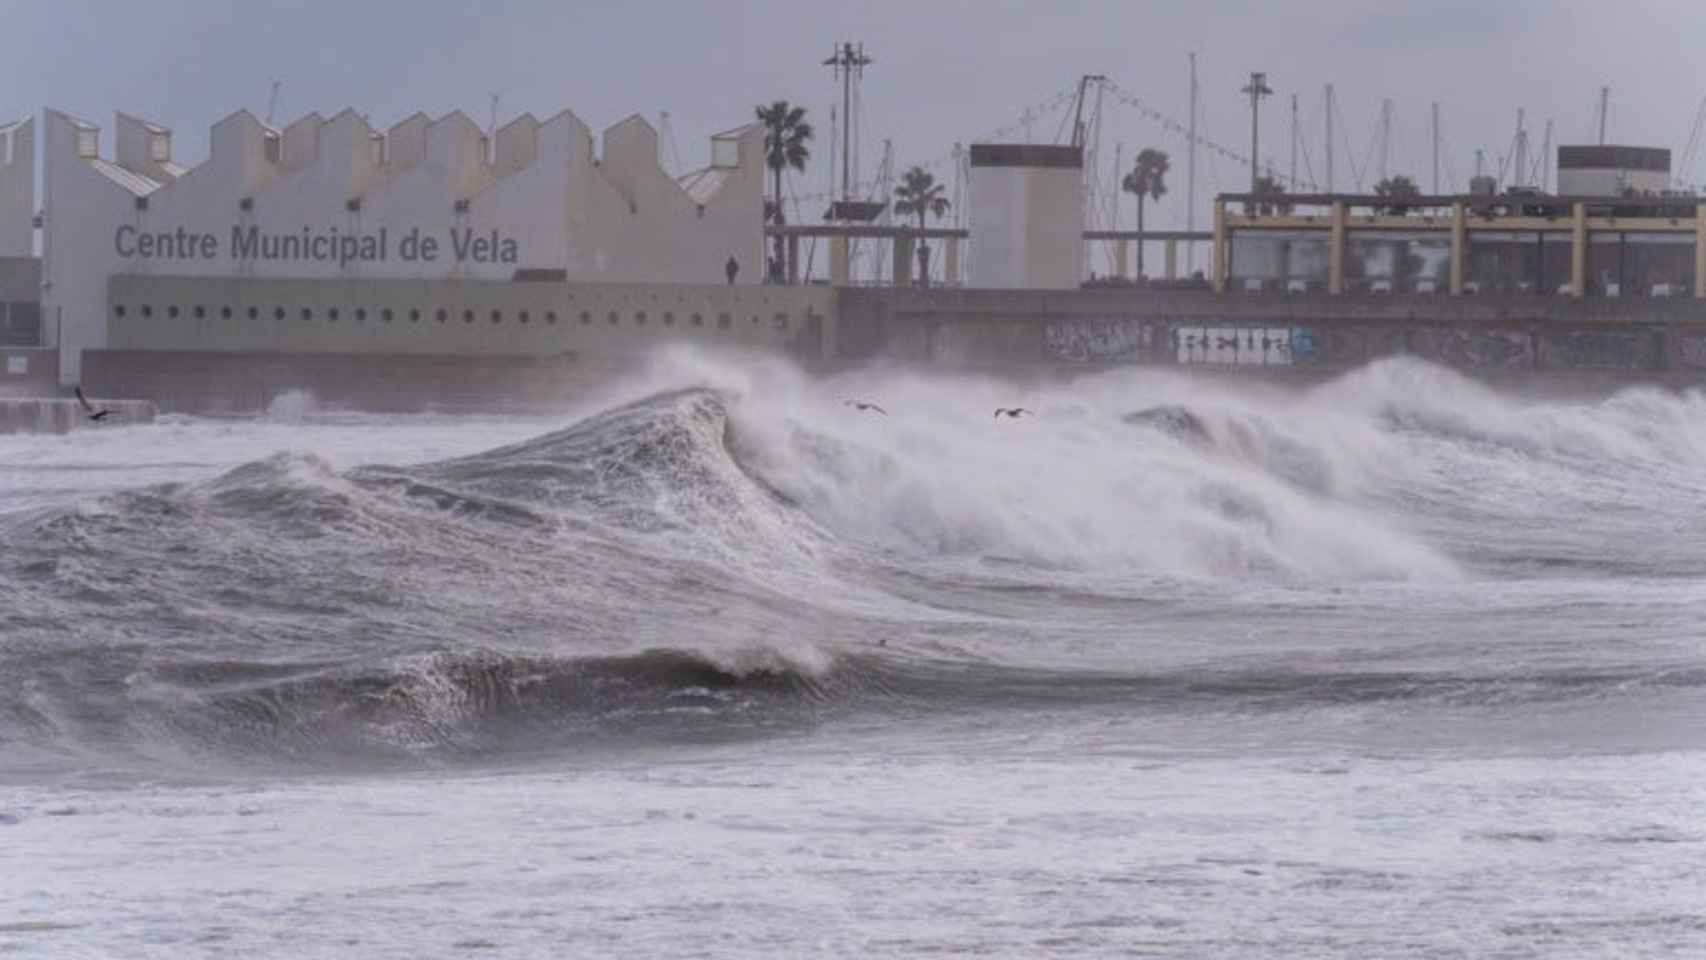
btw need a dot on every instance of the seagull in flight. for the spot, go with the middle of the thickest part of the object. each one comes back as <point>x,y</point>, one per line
<point>863,405</point>
<point>94,414</point>
<point>1012,412</point>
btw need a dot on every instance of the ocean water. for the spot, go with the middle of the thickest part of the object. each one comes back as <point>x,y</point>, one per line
<point>715,665</point>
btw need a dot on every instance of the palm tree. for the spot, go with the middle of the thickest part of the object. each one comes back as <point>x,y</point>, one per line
<point>1146,179</point>
<point>920,194</point>
<point>785,135</point>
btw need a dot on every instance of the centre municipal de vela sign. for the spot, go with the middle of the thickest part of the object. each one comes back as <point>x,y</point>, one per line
<point>463,245</point>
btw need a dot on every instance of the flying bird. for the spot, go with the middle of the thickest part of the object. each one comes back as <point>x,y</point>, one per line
<point>1012,412</point>
<point>863,405</point>
<point>90,410</point>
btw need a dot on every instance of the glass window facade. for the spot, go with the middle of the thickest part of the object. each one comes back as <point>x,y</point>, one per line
<point>1556,249</point>
<point>1279,261</point>
<point>1658,265</point>
<point>1605,265</point>
<point>1398,261</point>
<point>1511,262</point>
<point>1640,265</point>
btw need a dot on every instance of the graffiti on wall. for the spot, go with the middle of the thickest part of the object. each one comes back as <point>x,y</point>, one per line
<point>1243,346</point>
<point>1097,339</point>
<point>1599,350</point>
<point>1691,351</point>
<point>1480,349</point>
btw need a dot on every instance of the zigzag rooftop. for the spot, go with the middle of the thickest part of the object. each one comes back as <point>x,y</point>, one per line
<point>347,147</point>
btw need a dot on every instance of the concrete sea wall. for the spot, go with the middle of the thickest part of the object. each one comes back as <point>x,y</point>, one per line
<point>1498,337</point>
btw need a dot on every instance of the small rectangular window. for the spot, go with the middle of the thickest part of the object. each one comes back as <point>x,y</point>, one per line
<point>88,144</point>
<point>376,145</point>
<point>272,147</point>
<point>160,147</point>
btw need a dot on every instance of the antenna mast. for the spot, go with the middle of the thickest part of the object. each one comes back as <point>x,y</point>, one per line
<point>272,100</point>
<point>848,63</point>
<point>1521,147</point>
<point>1079,134</point>
<point>1119,159</point>
<point>1191,175</point>
<point>1604,108</point>
<point>1385,136</point>
<point>885,175</point>
<point>959,204</point>
<point>1329,138</point>
<point>1544,160</point>
<point>1294,142</point>
<point>1257,88</point>
<point>1436,146</point>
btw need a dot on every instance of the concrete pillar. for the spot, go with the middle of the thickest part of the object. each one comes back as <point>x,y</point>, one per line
<point>951,265</point>
<point>1219,274</point>
<point>903,261</point>
<point>1700,252</point>
<point>1579,251</point>
<point>1172,259</point>
<point>1459,236</point>
<point>793,259</point>
<point>1120,257</point>
<point>840,261</point>
<point>1336,250</point>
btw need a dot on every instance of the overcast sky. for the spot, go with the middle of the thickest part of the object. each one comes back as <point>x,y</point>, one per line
<point>944,71</point>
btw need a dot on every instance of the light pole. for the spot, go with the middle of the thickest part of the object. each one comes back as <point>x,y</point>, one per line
<point>1257,88</point>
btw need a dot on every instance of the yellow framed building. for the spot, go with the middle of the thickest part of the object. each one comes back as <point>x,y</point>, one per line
<point>1528,244</point>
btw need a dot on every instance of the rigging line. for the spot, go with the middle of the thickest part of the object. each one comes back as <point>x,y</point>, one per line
<point>1693,137</point>
<point>1508,160</point>
<point>1357,172</point>
<point>1040,108</point>
<point>1445,157</point>
<point>1214,169</point>
<point>1171,125</point>
<point>1367,157</point>
<point>1308,123</point>
<point>859,130</point>
<point>1065,118</point>
<point>1345,136</point>
<point>1308,168</point>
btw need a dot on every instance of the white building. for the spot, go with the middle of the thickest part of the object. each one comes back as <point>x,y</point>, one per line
<point>1611,171</point>
<point>1027,216</point>
<point>336,200</point>
<point>17,188</point>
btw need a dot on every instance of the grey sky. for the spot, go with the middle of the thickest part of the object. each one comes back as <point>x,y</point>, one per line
<point>945,71</point>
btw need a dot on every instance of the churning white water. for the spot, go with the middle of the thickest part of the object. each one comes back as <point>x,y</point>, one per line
<point>719,665</point>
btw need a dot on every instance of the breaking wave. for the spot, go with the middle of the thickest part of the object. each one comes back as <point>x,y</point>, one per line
<point>736,551</point>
